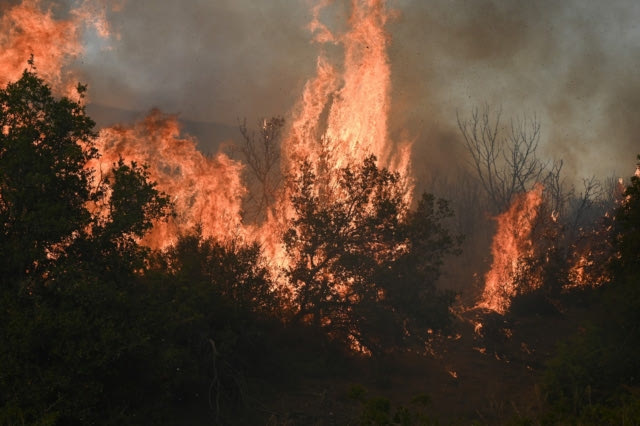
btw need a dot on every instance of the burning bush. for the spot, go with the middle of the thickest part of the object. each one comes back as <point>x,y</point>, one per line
<point>363,266</point>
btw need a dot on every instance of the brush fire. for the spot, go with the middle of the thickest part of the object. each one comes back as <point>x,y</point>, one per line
<point>326,199</point>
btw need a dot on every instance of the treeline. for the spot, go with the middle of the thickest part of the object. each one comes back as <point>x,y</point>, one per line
<point>98,329</point>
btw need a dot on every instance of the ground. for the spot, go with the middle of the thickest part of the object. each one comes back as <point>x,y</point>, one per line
<point>488,375</point>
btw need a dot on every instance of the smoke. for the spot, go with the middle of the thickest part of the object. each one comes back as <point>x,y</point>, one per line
<point>209,61</point>
<point>572,64</point>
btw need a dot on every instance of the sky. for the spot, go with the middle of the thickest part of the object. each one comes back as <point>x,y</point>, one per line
<point>571,64</point>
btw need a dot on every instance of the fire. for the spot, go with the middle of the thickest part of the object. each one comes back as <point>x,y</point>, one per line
<point>586,272</point>
<point>342,117</point>
<point>26,29</point>
<point>206,192</point>
<point>512,243</point>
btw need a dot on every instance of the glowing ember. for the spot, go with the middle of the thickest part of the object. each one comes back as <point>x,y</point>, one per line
<point>511,244</point>
<point>586,272</point>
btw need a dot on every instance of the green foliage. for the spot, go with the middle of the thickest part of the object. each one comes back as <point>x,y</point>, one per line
<point>95,328</point>
<point>44,146</point>
<point>134,202</point>
<point>336,236</point>
<point>363,266</point>
<point>377,410</point>
<point>627,221</point>
<point>94,350</point>
<point>75,341</point>
<point>594,378</point>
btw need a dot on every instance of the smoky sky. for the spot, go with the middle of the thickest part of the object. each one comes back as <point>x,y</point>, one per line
<point>572,64</point>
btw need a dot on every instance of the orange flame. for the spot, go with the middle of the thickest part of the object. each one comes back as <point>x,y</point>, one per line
<point>512,243</point>
<point>585,272</point>
<point>26,29</point>
<point>206,191</point>
<point>342,117</point>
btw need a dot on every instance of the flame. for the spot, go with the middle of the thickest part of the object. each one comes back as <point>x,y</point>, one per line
<point>511,243</point>
<point>26,29</point>
<point>206,191</point>
<point>342,117</point>
<point>586,272</point>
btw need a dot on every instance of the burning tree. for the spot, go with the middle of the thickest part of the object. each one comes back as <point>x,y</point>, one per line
<point>628,226</point>
<point>506,165</point>
<point>261,154</point>
<point>65,268</point>
<point>363,266</point>
<point>594,376</point>
<point>548,237</point>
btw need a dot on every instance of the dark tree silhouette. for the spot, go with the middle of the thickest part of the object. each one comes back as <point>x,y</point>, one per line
<point>362,265</point>
<point>506,164</point>
<point>69,293</point>
<point>261,154</point>
<point>44,146</point>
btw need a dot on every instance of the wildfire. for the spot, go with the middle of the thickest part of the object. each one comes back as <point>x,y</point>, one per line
<point>511,244</point>
<point>206,192</point>
<point>340,119</point>
<point>25,29</point>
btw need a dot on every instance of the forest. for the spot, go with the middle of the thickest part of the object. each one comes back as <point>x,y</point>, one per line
<point>354,326</point>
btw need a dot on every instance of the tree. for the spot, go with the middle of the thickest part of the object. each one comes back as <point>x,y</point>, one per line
<point>628,226</point>
<point>74,333</point>
<point>261,154</point>
<point>361,263</point>
<point>128,204</point>
<point>44,187</point>
<point>594,377</point>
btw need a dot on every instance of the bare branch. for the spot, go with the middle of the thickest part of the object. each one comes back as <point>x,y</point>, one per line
<point>505,164</point>
<point>261,154</point>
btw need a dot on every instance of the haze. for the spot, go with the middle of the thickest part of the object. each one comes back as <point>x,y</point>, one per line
<point>572,64</point>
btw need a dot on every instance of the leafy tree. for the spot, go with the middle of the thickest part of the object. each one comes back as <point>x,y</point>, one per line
<point>128,206</point>
<point>44,146</point>
<point>74,338</point>
<point>363,265</point>
<point>627,222</point>
<point>596,373</point>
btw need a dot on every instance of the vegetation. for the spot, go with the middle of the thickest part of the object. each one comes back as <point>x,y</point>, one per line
<point>361,232</point>
<point>98,329</point>
<point>595,376</point>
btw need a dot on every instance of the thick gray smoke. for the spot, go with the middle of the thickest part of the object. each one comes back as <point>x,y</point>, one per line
<point>572,63</point>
